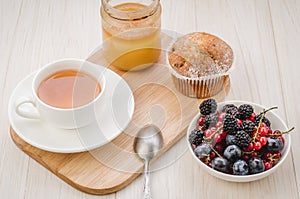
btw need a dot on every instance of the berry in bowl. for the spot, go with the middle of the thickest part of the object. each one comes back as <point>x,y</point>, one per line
<point>238,141</point>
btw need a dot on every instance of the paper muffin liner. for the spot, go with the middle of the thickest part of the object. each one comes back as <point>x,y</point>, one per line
<point>199,87</point>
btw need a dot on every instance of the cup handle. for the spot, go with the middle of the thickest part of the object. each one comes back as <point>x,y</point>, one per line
<point>31,113</point>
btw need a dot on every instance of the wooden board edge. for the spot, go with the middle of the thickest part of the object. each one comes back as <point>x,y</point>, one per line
<point>21,144</point>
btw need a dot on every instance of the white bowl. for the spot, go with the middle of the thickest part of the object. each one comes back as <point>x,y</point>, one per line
<point>276,124</point>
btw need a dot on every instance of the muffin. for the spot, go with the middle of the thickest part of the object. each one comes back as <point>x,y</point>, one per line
<point>199,63</point>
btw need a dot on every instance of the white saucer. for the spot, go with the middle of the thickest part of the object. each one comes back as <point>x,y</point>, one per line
<point>109,124</point>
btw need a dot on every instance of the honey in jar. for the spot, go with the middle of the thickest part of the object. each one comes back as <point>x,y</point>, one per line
<point>131,33</point>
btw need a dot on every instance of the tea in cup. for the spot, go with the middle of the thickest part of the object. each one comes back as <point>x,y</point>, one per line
<point>66,94</point>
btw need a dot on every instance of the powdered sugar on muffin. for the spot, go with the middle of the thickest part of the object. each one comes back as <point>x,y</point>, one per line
<point>200,54</point>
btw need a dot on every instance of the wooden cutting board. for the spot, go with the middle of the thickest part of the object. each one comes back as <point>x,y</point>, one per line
<point>111,167</point>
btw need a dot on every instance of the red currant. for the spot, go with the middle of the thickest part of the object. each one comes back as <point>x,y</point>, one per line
<point>268,165</point>
<point>246,157</point>
<point>217,138</point>
<point>249,147</point>
<point>277,155</point>
<point>252,117</point>
<point>221,116</point>
<point>212,155</point>
<point>263,125</point>
<point>257,146</point>
<point>277,133</point>
<point>219,148</point>
<point>281,138</point>
<point>270,131</point>
<point>219,124</point>
<point>239,122</point>
<point>263,141</point>
<point>254,154</point>
<point>207,133</point>
<point>269,155</point>
<point>201,121</point>
<point>213,129</point>
<point>223,134</point>
<point>263,130</point>
<point>258,137</point>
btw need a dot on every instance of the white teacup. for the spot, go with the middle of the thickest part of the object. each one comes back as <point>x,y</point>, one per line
<point>66,118</point>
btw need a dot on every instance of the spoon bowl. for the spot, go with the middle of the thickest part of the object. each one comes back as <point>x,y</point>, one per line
<point>147,144</point>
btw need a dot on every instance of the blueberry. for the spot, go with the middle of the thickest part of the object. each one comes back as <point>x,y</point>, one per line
<point>220,164</point>
<point>274,145</point>
<point>240,167</point>
<point>202,150</point>
<point>232,153</point>
<point>256,165</point>
<point>230,139</point>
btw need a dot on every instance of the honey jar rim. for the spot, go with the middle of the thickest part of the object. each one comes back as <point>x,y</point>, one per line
<point>130,15</point>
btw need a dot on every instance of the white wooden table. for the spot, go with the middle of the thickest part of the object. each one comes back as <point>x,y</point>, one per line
<point>263,33</point>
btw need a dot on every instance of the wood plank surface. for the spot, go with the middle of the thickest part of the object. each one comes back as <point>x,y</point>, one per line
<point>263,33</point>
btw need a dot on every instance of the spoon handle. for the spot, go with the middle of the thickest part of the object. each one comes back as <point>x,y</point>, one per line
<point>147,194</point>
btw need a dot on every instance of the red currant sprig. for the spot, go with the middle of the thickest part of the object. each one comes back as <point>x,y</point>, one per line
<point>272,159</point>
<point>259,139</point>
<point>210,133</point>
<point>278,133</point>
<point>216,152</point>
<point>258,127</point>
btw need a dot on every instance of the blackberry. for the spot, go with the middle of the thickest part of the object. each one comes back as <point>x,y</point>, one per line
<point>230,109</point>
<point>196,137</point>
<point>208,106</point>
<point>210,120</point>
<point>244,111</point>
<point>242,139</point>
<point>230,124</point>
<point>264,120</point>
<point>248,126</point>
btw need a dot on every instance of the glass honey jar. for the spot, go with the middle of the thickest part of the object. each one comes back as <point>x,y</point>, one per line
<point>131,33</point>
